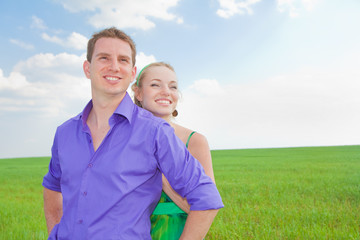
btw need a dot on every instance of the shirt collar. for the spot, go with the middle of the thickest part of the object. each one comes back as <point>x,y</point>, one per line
<point>125,109</point>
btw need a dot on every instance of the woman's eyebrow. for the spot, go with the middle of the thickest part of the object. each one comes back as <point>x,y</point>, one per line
<point>159,80</point>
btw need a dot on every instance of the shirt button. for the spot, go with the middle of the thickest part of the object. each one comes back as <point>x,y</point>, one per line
<point>84,193</point>
<point>80,221</point>
<point>90,165</point>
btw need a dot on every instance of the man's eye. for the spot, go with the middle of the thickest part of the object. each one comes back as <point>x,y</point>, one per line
<point>124,60</point>
<point>174,87</point>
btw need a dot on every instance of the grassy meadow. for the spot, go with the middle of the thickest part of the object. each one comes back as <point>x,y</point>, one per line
<point>285,193</point>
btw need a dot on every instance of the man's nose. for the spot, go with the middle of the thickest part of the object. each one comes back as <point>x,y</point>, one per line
<point>114,65</point>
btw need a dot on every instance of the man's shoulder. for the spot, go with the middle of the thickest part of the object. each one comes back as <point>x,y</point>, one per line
<point>71,122</point>
<point>143,116</point>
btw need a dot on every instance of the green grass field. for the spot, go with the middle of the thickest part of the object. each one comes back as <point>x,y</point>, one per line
<point>285,193</point>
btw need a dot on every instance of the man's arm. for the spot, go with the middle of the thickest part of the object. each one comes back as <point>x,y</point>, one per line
<point>52,208</point>
<point>198,224</point>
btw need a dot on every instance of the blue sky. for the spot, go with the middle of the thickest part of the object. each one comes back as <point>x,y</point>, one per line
<point>252,73</point>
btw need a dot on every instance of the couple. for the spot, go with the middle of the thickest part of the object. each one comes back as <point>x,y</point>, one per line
<point>105,174</point>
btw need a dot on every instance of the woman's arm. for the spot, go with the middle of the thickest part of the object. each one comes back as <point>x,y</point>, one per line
<point>178,200</point>
<point>199,148</point>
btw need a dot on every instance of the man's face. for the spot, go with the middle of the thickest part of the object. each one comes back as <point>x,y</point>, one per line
<point>111,70</point>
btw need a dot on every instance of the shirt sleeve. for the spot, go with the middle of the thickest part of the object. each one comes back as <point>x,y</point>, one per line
<point>52,179</point>
<point>184,173</point>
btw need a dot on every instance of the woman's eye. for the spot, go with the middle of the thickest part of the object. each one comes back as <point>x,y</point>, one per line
<point>154,85</point>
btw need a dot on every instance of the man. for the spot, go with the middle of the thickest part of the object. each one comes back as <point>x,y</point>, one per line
<point>104,176</point>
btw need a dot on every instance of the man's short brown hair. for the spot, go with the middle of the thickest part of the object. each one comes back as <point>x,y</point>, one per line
<point>110,33</point>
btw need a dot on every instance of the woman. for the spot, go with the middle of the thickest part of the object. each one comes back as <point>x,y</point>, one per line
<point>156,90</point>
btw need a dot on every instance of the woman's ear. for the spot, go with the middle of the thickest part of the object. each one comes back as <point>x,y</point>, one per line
<point>138,94</point>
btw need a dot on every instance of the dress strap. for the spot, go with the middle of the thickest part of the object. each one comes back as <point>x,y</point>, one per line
<point>166,208</point>
<point>187,143</point>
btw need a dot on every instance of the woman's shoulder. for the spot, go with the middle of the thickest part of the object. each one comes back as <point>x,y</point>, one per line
<point>192,137</point>
<point>197,140</point>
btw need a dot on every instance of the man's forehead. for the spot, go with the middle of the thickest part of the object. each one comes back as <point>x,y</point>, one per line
<point>112,45</point>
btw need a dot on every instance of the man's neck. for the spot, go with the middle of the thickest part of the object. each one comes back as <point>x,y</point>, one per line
<point>98,120</point>
<point>103,108</point>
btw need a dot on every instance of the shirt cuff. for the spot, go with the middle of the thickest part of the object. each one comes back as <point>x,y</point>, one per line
<point>205,197</point>
<point>52,183</point>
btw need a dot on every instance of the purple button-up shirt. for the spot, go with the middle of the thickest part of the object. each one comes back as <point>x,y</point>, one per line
<point>111,193</point>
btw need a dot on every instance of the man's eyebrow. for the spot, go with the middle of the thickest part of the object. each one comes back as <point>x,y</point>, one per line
<point>107,54</point>
<point>124,56</point>
<point>102,54</point>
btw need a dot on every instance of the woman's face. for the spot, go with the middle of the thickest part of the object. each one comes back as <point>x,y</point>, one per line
<point>159,92</point>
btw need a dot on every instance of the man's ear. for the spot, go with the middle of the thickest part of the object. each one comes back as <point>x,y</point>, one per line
<point>86,68</point>
<point>134,73</point>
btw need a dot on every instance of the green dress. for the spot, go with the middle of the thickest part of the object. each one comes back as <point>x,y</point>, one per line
<point>168,220</point>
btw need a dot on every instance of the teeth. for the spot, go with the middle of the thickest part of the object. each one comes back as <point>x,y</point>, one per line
<point>112,78</point>
<point>164,101</point>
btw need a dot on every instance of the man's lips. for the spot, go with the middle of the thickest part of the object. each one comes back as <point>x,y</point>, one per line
<point>112,78</point>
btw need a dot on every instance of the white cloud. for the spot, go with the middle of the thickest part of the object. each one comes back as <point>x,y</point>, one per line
<point>74,40</point>
<point>19,95</point>
<point>50,67</point>
<point>22,44</point>
<point>38,23</point>
<point>124,13</point>
<point>294,7</point>
<point>229,8</point>
<point>309,4</point>
<point>47,84</point>
<point>53,39</point>
<point>14,81</point>
<point>304,109</point>
<point>142,60</point>
<point>207,87</point>
<point>180,20</point>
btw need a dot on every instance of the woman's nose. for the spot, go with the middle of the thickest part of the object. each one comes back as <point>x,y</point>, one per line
<point>165,90</point>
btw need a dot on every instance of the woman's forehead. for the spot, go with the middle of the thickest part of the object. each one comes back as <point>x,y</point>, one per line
<point>161,73</point>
